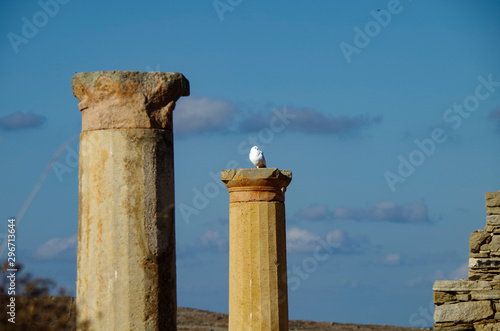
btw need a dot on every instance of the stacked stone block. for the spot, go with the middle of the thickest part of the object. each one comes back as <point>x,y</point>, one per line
<point>474,303</point>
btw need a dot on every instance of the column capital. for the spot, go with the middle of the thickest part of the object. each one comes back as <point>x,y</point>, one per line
<point>256,184</point>
<point>128,99</point>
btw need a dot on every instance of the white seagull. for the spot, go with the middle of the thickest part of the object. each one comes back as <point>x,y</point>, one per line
<point>257,157</point>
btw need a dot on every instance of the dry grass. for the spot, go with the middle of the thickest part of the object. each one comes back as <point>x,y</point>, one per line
<point>36,309</point>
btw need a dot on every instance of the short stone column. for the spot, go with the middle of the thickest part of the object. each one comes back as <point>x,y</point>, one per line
<point>258,295</point>
<point>126,231</point>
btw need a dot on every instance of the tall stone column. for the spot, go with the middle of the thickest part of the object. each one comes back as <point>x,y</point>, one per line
<point>258,295</point>
<point>126,232</point>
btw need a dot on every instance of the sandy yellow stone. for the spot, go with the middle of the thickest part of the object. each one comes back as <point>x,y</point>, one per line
<point>258,295</point>
<point>126,278</point>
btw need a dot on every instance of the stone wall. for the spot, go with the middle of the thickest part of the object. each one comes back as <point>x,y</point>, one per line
<point>474,303</point>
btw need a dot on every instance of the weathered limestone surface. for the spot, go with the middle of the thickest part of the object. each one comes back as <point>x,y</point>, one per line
<point>492,203</point>
<point>493,220</point>
<point>463,297</point>
<point>258,295</point>
<point>486,327</point>
<point>266,184</point>
<point>477,239</point>
<point>495,243</point>
<point>486,295</point>
<point>442,297</point>
<point>460,285</point>
<point>128,99</point>
<point>463,312</point>
<point>474,304</point>
<point>484,263</point>
<point>126,233</point>
<point>453,327</point>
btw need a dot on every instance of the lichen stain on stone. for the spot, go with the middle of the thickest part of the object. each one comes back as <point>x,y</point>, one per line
<point>99,200</point>
<point>118,99</point>
<point>99,231</point>
<point>121,182</point>
<point>133,171</point>
<point>151,297</point>
<point>104,158</point>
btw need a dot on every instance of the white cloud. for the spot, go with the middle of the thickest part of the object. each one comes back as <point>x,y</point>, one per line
<point>20,121</point>
<point>195,115</point>
<point>209,242</point>
<point>58,248</point>
<point>335,238</point>
<point>314,212</point>
<point>212,240</point>
<point>420,281</point>
<point>459,273</point>
<point>454,274</point>
<point>311,121</point>
<point>298,240</point>
<point>391,259</point>
<point>390,211</point>
<point>301,241</point>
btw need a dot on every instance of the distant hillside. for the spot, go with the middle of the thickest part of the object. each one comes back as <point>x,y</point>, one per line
<point>58,313</point>
<point>202,320</point>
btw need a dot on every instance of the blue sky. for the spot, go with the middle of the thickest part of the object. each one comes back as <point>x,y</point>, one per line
<point>387,113</point>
